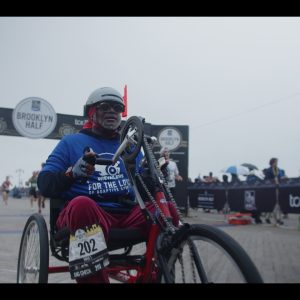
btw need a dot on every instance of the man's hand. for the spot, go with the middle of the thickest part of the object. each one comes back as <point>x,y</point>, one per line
<point>178,178</point>
<point>85,165</point>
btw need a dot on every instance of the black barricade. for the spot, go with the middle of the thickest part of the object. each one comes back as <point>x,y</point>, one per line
<point>242,196</point>
<point>246,197</point>
<point>210,196</point>
<point>289,196</point>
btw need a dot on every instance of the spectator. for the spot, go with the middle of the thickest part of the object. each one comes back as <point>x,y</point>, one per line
<point>235,178</point>
<point>197,180</point>
<point>172,170</point>
<point>34,193</point>
<point>252,177</point>
<point>5,189</point>
<point>225,178</point>
<point>190,182</point>
<point>274,174</point>
<point>210,178</point>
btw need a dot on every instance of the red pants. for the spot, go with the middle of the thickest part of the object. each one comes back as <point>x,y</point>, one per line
<point>83,211</point>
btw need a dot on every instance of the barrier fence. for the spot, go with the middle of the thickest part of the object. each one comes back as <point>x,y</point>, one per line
<point>261,196</point>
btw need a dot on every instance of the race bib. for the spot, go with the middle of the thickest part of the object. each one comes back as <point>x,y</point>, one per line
<point>87,252</point>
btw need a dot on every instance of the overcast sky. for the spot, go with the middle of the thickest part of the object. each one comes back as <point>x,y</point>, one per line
<point>233,80</point>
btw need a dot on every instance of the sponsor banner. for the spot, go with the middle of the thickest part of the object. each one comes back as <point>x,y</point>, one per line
<point>205,200</point>
<point>249,200</point>
<point>34,118</point>
<point>199,198</point>
<point>289,199</point>
<point>169,137</point>
<point>65,124</point>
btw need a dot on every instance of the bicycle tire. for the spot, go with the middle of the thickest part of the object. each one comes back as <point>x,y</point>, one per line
<point>220,239</point>
<point>35,225</point>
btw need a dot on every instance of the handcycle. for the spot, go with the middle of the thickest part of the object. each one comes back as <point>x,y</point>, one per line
<point>187,253</point>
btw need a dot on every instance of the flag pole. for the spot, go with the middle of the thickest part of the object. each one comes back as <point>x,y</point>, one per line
<point>124,114</point>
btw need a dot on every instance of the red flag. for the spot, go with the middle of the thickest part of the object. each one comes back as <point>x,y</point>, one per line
<point>124,114</point>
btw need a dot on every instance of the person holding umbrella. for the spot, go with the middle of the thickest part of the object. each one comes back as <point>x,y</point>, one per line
<point>234,171</point>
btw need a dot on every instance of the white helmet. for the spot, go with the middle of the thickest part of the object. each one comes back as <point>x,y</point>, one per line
<point>101,95</point>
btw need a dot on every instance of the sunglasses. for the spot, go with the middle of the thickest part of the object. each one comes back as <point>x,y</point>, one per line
<point>105,107</point>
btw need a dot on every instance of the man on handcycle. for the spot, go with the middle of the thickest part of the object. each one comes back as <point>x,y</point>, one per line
<point>96,199</point>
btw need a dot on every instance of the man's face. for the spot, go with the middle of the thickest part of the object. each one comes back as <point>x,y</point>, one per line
<point>166,154</point>
<point>108,115</point>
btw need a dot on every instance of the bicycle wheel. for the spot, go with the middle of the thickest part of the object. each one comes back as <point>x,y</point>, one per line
<point>205,254</point>
<point>33,260</point>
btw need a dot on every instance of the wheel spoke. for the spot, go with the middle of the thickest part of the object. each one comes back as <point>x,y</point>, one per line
<point>210,255</point>
<point>34,241</point>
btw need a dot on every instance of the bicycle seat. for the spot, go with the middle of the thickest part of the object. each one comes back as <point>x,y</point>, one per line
<point>121,238</point>
<point>117,237</point>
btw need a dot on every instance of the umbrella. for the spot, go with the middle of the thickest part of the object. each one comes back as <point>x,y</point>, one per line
<point>238,170</point>
<point>250,166</point>
<point>257,173</point>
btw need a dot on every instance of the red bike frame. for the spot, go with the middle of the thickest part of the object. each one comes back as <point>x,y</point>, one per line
<point>146,273</point>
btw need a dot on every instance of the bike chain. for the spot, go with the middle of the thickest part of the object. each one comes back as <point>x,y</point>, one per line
<point>163,179</point>
<point>166,221</point>
<point>192,260</point>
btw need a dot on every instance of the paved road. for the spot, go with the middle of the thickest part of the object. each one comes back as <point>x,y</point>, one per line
<point>274,250</point>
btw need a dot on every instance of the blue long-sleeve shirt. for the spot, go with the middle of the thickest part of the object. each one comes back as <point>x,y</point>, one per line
<point>106,183</point>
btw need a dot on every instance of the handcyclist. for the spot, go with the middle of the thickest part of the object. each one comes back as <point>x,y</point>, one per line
<point>97,198</point>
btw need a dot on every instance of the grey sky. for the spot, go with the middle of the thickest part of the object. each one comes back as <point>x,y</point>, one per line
<point>185,71</point>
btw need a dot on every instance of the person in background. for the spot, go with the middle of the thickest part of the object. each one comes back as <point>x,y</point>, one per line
<point>41,198</point>
<point>190,182</point>
<point>275,174</point>
<point>235,178</point>
<point>225,178</point>
<point>252,177</point>
<point>35,195</point>
<point>211,178</point>
<point>5,189</point>
<point>172,171</point>
<point>197,180</point>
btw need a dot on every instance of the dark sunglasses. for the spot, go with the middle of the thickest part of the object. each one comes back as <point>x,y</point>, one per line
<point>105,107</point>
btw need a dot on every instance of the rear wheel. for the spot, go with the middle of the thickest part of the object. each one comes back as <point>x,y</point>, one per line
<point>205,254</point>
<point>33,258</point>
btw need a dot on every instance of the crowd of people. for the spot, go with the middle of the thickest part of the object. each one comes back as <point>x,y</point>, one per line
<point>32,191</point>
<point>272,173</point>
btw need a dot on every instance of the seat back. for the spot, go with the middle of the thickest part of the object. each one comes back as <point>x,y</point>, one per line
<point>56,205</point>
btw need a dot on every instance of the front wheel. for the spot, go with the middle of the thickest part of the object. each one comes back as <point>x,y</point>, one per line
<point>205,254</point>
<point>33,258</point>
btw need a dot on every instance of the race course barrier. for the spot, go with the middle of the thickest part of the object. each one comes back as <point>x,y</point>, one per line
<point>242,196</point>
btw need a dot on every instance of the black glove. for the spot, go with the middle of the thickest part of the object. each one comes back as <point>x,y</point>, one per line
<point>84,167</point>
